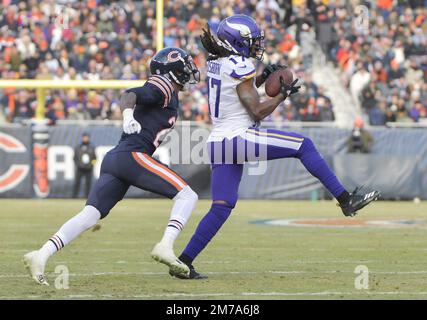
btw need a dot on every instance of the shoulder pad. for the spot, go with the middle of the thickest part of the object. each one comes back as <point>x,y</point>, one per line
<point>164,85</point>
<point>244,68</point>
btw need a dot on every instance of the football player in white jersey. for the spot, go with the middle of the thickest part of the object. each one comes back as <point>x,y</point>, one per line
<point>236,110</point>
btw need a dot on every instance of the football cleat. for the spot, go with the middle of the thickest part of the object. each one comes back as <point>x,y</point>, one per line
<point>35,266</point>
<point>357,201</point>
<point>164,254</point>
<point>192,275</point>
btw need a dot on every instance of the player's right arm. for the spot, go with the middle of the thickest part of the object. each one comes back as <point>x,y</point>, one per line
<point>157,92</point>
<point>127,104</point>
<point>250,99</point>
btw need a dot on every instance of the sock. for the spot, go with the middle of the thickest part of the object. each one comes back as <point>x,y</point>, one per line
<point>317,166</point>
<point>343,198</point>
<point>185,201</point>
<point>206,230</point>
<point>86,219</point>
<point>186,259</point>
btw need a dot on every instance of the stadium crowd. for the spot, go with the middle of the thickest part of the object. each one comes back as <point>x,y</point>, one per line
<point>383,60</point>
<point>384,68</point>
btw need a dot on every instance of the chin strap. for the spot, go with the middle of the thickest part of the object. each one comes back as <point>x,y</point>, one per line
<point>175,79</point>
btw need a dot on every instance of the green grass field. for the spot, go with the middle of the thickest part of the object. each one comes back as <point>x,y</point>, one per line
<point>245,260</point>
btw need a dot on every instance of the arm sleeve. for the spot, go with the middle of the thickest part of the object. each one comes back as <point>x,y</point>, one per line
<point>148,96</point>
<point>242,70</point>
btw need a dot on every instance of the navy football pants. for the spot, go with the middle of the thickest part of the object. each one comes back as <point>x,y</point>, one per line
<point>120,170</point>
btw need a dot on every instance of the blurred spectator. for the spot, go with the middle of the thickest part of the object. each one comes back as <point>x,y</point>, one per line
<point>390,54</point>
<point>360,140</point>
<point>308,43</point>
<point>358,81</point>
<point>23,108</point>
<point>84,160</point>
<point>377,114</point>
<point>383,64</point>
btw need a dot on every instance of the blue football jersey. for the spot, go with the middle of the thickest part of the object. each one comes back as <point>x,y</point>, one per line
<point>156,110</point>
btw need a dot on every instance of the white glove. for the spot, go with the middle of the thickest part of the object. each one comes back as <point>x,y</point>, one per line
<point>130,125</point>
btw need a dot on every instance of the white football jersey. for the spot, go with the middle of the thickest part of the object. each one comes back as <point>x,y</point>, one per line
<point>229,116</point>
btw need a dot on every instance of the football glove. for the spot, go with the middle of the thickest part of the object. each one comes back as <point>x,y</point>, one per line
<point>269,69</point>
<point>130,125</point>
<point>288,89</point>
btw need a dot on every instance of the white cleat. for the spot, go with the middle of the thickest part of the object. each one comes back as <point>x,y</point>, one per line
<point>35,266</point>
<point>164,254</point>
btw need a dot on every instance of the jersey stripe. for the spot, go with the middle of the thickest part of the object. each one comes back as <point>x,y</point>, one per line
<point>162,89</point>
<point>275,135</point>
<point>248,77</point>
<point>163,84</point>
<point>171,177</point>
<point>271,141</point>
<point>165,81</point>
<point>171,173</point>
<point>245,76</point>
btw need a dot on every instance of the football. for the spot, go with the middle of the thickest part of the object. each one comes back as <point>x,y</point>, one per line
<point>272,84</point>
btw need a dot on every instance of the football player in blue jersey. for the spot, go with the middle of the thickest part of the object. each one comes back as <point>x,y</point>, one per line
<point>236,110</point>
<point>149,112</point>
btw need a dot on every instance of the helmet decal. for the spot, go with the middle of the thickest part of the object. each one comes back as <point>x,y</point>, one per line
<point>174,56</point>
<point>243,29</point>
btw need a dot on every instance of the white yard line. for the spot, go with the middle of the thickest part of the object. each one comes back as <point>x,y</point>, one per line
<point>236,294</point>
<point>80,296</point>
<point>332,293</point>
<point>287,272</point>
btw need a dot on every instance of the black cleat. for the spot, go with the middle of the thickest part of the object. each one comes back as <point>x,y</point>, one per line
<point>193,274</point>
<point>358,201</point>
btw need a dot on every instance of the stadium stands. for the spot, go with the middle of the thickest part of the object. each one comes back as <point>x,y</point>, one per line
<point>383,63</point>
<point>384,69</point>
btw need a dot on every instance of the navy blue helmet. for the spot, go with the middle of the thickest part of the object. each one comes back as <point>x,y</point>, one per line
<point>176,63</point>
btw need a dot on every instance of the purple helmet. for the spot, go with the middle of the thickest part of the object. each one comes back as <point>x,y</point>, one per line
<point>241,35</point>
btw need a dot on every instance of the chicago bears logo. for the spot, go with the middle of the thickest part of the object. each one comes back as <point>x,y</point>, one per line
<point>174,56</point>
<point>16,173</point>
